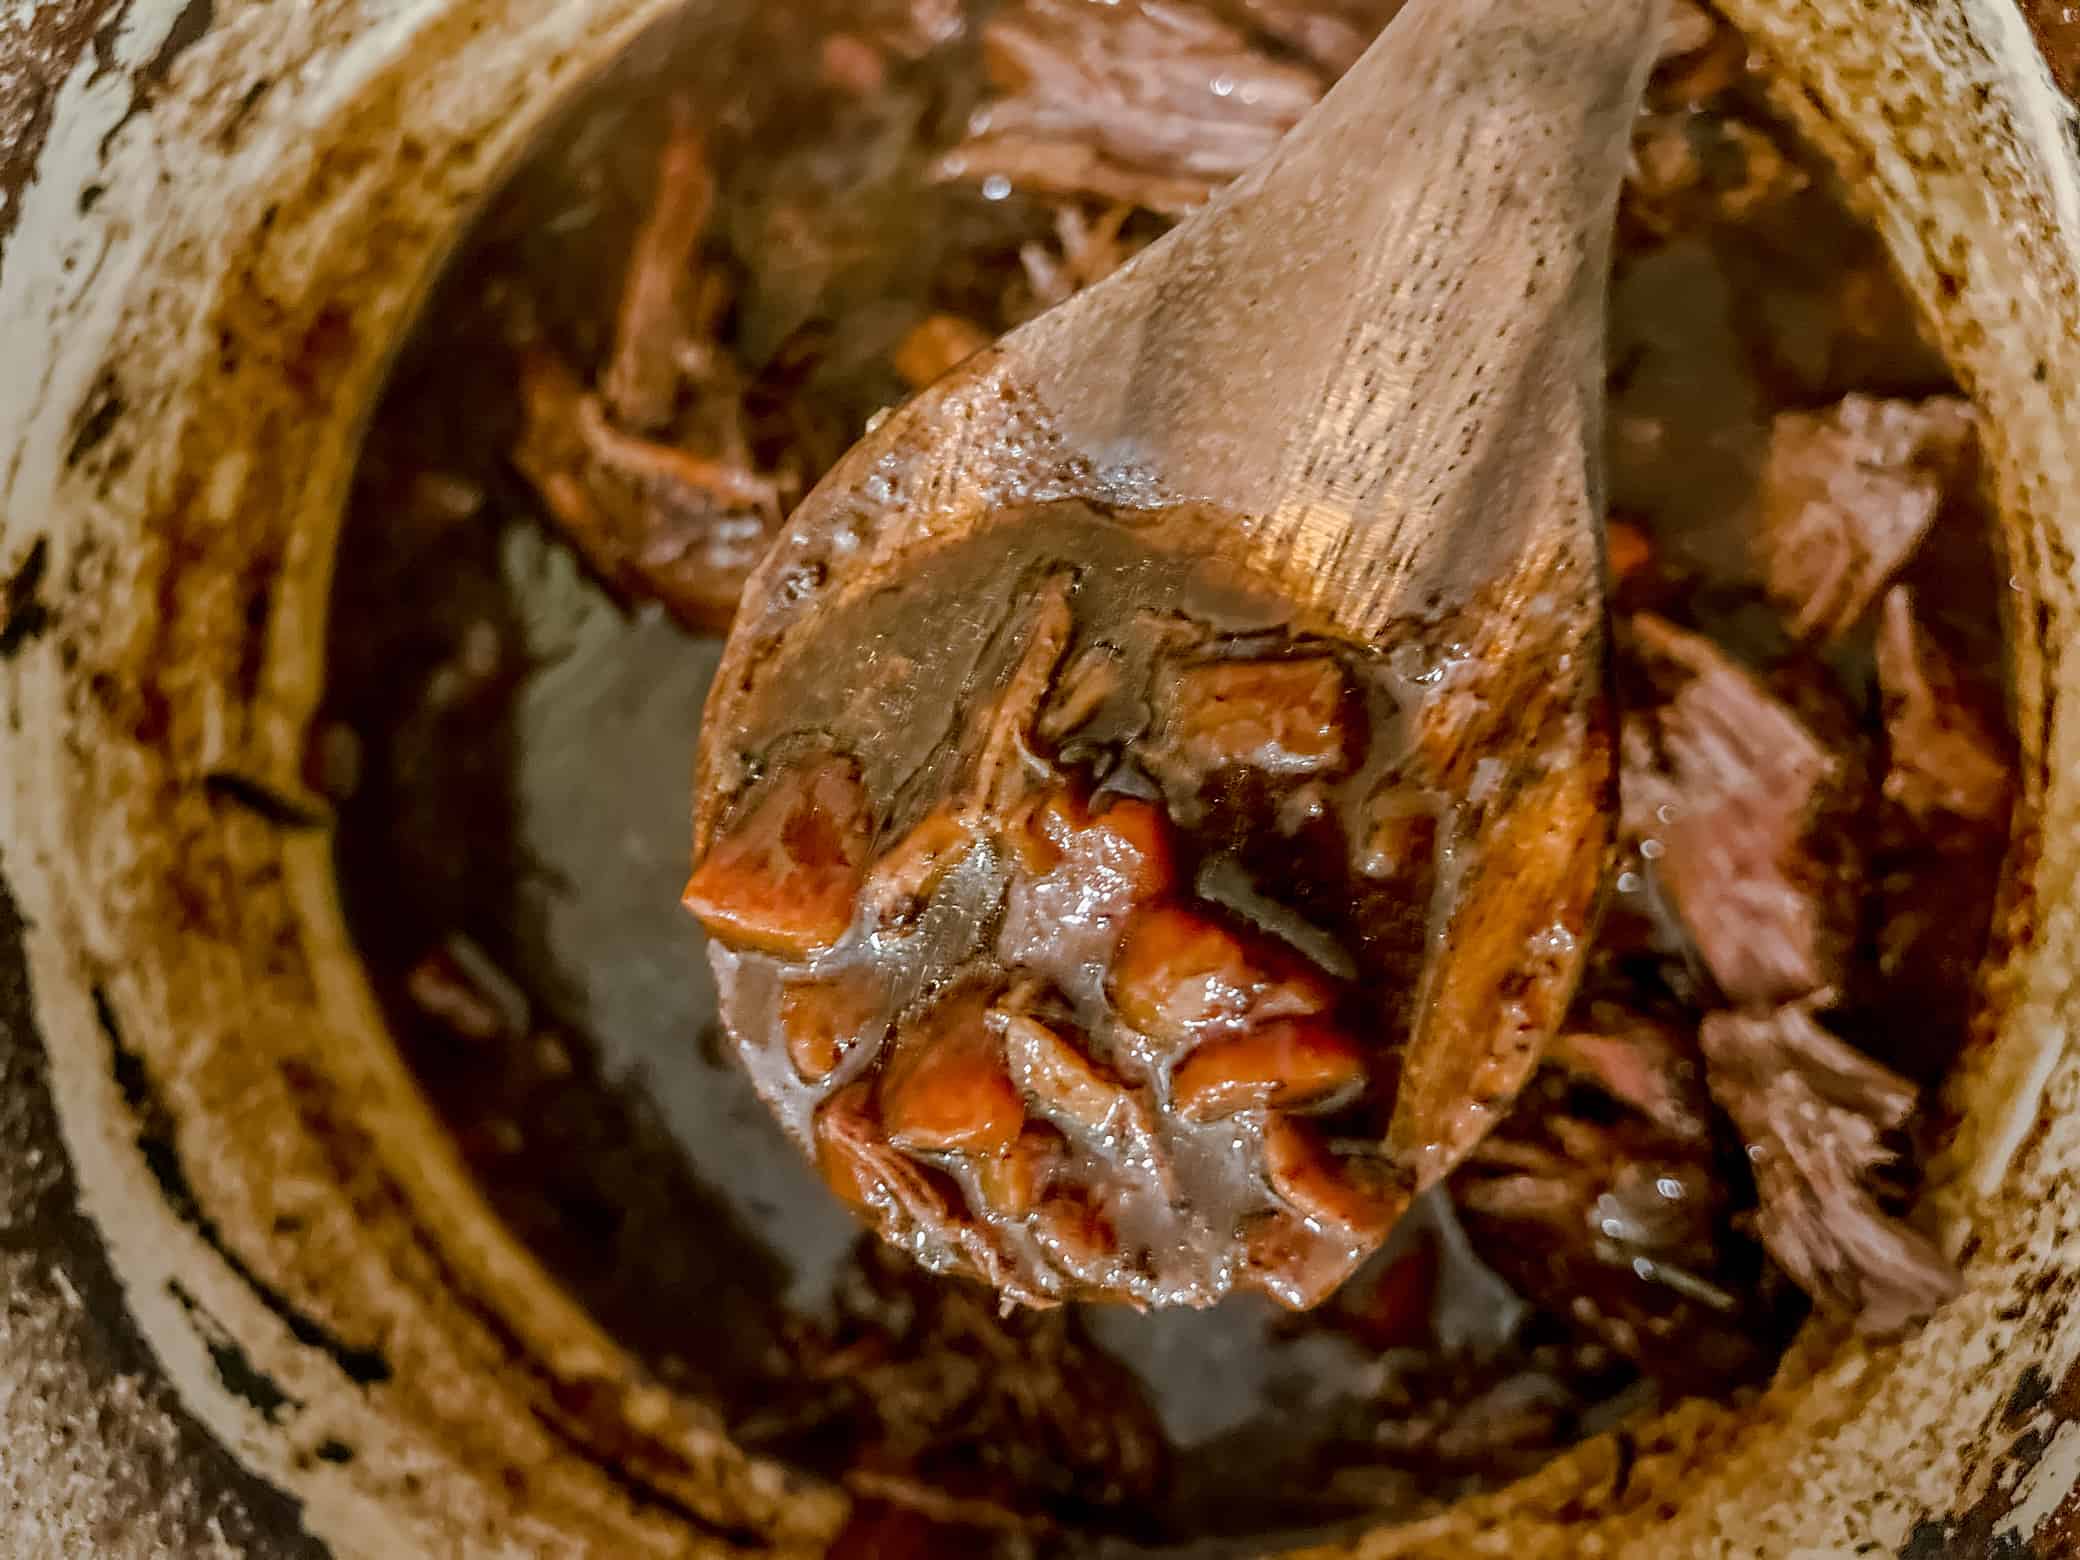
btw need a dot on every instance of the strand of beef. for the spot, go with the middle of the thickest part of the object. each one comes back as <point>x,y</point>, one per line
<point>1753,852</point>
<point>1847,496</point>
<point>1153,102</point>
<point>650,476</point>
<point>1815,1113</point>
<point>1751,829</point>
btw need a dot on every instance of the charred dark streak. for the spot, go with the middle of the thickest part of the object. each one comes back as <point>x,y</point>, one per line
<point>1627,1451</point>
<point>26,617</point>
<point>234,124</point>
<point>187,30</point>
<point>155,1141</point>
<point>99,412</point>
<point>257,580</point>
<point>2032,1387</point>
<point>235,1369</point>
<point>59,33</point>
<point>262,800</point>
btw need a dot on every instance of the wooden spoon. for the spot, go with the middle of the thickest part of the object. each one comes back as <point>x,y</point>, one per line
<point>1380,352</point>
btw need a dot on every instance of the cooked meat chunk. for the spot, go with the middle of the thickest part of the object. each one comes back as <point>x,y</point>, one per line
<point>1943,757</point>
<point>1847,495</point>
<point>458,987</point>
<point>946,1086</point>
<point>998,769</point>
<point>1182,976</point>
<point>1152,102</point>
<point>1060,1077</point>
<point>1331,34</point>
<point>1073,1227</point>
<point>1116,858</point>
<point>1086,686</point>
<point>641,382</point>
<point>1814,1112</point>
<point>1643,1062</point>
<point>1087,249</point>
<point>826,1019</point>
<point>1083,874</point>
<point>900,884</point>
<point>952,1402</point>
<point>1738,812</point>
<point>936,344</point>
<point>1344,1191</point>
<point>1012,1182</point>
<point>1277,717</point>
<point>784,874</point>
<point>1689,170</point>
<point>1619,1227</point>
<point>1400,838</point>
<point>1004,762</point>
<point>863,1168</point>
<point>1287,1064</point>
<point>1296,1261</point>
<point>652,519</point>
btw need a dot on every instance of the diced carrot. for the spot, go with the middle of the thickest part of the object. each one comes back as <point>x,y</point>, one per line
<point>1344,1192</point>
<point>945,1088</point>
<point>1287,1064</point>
<point>784,877</point>
<point>1181,976</point>
<point>824,1019</point>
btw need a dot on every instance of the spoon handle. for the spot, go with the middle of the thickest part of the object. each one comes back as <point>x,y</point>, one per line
<point>1404,306</point>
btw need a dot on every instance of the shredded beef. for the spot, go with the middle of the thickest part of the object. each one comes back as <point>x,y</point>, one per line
<point>642,379</point>
<point>1645,1063</point>
<point>1847,495</point>
<point>1331,34</point>
<point>1943,757</point>
<point>1739,815</point>
<point>1618,1225</point>
<point>968,1415</point>
<point>1814,1112</point>
<point>1153,102</point>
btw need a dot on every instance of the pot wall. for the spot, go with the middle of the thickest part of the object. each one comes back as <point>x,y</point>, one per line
<point>234,209</point>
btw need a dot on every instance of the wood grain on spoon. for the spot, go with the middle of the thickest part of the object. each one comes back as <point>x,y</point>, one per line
<point>1371,370</point>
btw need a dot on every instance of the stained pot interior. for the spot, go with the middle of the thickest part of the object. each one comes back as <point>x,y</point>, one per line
<point>520,745</point>
<point>267,1175</point>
